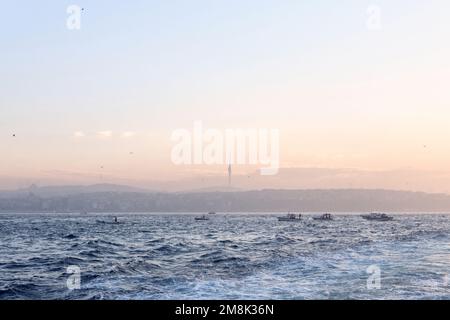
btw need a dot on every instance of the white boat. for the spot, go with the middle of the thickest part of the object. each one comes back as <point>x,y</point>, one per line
<point>291,217</point>
<point>324,217</point>
<point>375,216</point>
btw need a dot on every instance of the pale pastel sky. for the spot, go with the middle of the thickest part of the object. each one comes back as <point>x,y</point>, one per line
<point>104,100</point>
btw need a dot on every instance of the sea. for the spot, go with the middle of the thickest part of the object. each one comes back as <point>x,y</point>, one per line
<point>230,256</point>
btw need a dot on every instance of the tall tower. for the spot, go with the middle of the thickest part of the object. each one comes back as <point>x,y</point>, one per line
<point>229,175</point>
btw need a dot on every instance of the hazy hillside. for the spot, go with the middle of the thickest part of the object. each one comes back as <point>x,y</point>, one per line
<point>117,200</point>
<point>55,191</point>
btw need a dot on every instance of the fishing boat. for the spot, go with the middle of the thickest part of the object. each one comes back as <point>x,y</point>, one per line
<point>115,221</point>
<point>211,212</point>
<point>291,217</point>
<point>202,218</point>
<point>324,217</point>
<point>375,216</point>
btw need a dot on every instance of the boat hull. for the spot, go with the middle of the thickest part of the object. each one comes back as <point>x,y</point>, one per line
<point>290,220</point>
<point>378,219</point>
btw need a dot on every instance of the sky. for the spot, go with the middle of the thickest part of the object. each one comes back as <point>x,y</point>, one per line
<point>101,103</point>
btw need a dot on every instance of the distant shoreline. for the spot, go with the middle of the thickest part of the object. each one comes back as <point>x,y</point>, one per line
<point>306,213</point>
<point>60,200</point>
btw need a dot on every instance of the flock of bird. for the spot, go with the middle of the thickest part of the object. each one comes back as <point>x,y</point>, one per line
<point>132,153</point>
<point>101,167</point>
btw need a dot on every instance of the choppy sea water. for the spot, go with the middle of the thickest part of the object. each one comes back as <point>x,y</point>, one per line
<point>172,256</point>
